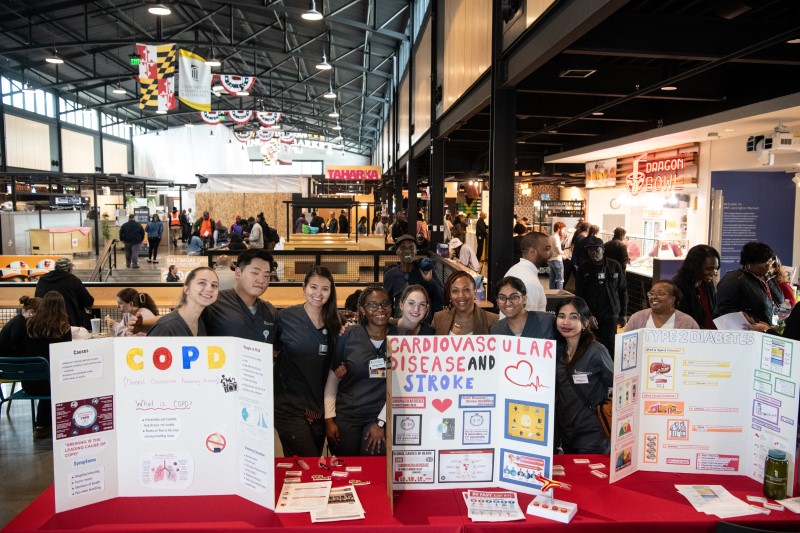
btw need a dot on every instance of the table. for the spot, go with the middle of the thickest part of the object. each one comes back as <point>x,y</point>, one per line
<point>644,501</point>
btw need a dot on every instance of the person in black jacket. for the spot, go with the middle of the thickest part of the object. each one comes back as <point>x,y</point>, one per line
<point>616,249</point>
<point>76,296</point>
<point>747,290</point>
<point>132,234</point>
<point>481,232</point>
<point>601,283</point>
<point>344,222</point>
<point>695,279</point>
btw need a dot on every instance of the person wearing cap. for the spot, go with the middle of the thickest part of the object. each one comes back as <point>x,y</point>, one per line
<point>600,281</point>
<point>132,234</point>
<point>344,223</point>
<point>536,248</point>
<point>76,298</point>
<point>409,272</point>
<point>465,254</point>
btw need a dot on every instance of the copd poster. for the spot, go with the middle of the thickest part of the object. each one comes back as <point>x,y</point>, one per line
<point>162,416</point>
<point>699,401</point>
<point>469,411</point>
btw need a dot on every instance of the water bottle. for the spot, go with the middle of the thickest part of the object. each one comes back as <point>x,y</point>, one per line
<point>481,293</point>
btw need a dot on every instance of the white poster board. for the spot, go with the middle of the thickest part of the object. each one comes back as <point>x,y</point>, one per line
<point>699,401</point>
<point>162,416</point>
<point>470,411</point>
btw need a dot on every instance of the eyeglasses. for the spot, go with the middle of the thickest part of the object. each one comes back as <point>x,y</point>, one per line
<point>514,298</point>
<point>658,294</point>
<point>374,305</point>
<point>415,305</point>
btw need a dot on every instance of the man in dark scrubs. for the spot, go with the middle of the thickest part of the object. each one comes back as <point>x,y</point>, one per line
<point>240,311</point>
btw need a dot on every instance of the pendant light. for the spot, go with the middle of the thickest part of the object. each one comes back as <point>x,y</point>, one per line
<point>159,9</point>
<point>312,13</point>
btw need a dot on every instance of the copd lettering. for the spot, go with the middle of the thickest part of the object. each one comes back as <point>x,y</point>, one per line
<point>162,358</point>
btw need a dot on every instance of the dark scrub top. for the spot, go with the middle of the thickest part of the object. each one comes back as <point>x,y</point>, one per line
<point>173,325</point>
<point>302,365</point>
<point>538,325</point>
<point>424,329</point>
<point>230,317</point>
<point>360,396</point>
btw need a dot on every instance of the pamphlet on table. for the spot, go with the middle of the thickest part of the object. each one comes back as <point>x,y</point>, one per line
<point>699,401</point>
<point>471,411</point>
<point>162,416</point>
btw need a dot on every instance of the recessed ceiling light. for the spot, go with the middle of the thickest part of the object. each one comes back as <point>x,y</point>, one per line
<point>793,41</point>
<point>597,113</point>
<point>669,88</point>
<point>159,9</point>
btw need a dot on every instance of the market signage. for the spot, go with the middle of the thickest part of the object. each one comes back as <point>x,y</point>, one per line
<point>354,173</point>
<point>601,173</point>
<point>660,175</point>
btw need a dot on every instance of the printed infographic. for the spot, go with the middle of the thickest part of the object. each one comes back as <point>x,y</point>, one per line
<point>471,411</point>
<point>703,402</point>
<point>162,416</point>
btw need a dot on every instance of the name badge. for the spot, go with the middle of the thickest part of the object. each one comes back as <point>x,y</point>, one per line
<point>323,349</point>
<point>601,275</point>
<point>580,379</point>
<point>377,368</point>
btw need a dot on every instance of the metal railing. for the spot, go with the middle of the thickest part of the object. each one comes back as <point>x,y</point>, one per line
<point>109,254</point>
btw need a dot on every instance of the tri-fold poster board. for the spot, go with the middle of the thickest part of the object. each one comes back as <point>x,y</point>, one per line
<point>470,411</point>
<point>699,401</point>
<point>162,416</point>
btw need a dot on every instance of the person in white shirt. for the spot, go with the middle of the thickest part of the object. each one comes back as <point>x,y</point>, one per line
<point>465,254</point>
<point>556,257</point>
<point>536,248</point>
<point>227,277</point>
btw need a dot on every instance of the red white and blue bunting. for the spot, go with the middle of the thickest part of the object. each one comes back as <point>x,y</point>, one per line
<point>236,84</point>
<point>265,136</point>
<point>243,136</point>
<point>211,117</point>
<point>240,116</point>
<point>268,118</point>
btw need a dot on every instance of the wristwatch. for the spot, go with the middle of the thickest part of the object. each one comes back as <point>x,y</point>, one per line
<point>381,423</point>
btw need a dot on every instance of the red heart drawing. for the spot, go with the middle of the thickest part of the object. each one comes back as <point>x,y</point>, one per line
<point>442,405</point>
<point>520,374</point>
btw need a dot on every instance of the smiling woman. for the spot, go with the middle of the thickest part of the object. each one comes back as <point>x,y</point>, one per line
<point>664,298</point>
<point>462,317</point>
<point>511,299</point>
<point>199,291</point>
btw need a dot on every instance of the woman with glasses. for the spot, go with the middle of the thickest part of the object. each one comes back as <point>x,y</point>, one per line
<point>306,337</point>
<point>664,298</point>
<point>414,307</point>
<point>511,299</point>
<point>695,279</point>
<point>355,396</point>
<point>462,315</point>
<point>584,373</point>
<point>747,289</point>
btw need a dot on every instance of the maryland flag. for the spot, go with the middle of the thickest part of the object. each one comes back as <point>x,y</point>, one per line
<point>157,76</point>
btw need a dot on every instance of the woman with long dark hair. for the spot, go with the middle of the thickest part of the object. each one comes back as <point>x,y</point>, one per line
<point>355,407</point>
<point>154,230</point>
<point>584,373</point>
<point>695,279</point>
<point>511,299</point>
<point>12,334</point>
<point>130,303</point>
<point>305,343</point>
<point>200,290</point>
<point>48,325</point>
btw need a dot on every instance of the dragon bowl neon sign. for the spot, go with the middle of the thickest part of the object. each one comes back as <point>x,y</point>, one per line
<point>662,175</point>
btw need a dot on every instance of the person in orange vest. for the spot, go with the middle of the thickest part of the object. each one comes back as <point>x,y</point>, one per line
<point>205,226</point>
<point>175,226</point>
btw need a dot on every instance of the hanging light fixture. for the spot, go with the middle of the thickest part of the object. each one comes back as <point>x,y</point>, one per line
<point>159,9</point>
<point>27,87</point>
<point>330,94</point>
<point>334,113</point>
<point>324,65</point>
<point>213,62</point>
<point>189,125</point>
<point>54,59</point>
<point>118,90</point>
<point>312,13</point>
<point>161,112</point>
<point>337,127</point>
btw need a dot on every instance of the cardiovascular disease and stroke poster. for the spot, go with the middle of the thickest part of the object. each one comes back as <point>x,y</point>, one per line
<point>162,416</point>
<point>702,401</point>
<point>468,411</point>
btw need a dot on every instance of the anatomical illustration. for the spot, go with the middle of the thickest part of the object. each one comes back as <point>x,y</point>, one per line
<point>661,373</point>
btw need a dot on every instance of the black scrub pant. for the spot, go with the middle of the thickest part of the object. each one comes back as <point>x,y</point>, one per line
<point>300,438</point>
<point>606,332</point>
<point>352,436</point>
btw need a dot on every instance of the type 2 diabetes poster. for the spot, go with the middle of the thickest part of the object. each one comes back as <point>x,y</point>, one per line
<point>162,416</point>
<point>468,411</point>
<point>702,401</point>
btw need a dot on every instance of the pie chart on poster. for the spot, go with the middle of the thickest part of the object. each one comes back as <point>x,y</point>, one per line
<point>84,416</point>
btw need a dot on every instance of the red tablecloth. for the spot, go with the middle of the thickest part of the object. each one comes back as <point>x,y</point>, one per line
<point>642,502</point>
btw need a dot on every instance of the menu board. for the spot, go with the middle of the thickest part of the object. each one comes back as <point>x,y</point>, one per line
<point>702,401</point>
<point>468,411</point>
<point>162,416</point>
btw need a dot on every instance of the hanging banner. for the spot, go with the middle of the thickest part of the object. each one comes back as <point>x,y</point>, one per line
<point>157,76</point>
<point>265,136</point>
<point>268,118</point>
<point>353,173</point>
<point>243,136</point>
<point>195,81</point>
<point>288,138</point>
<point>211,117</point>
<point>236,84</point>
<point>601,173</point>
<point>240,116</point>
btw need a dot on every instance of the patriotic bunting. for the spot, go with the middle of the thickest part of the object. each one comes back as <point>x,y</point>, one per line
<point>236,84</point>
<point>243,136</point>
<point>157,76</point>
<point>240,117</point>
<point>268,118</point>
<point>211,117</point>
<point>265,136</point>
